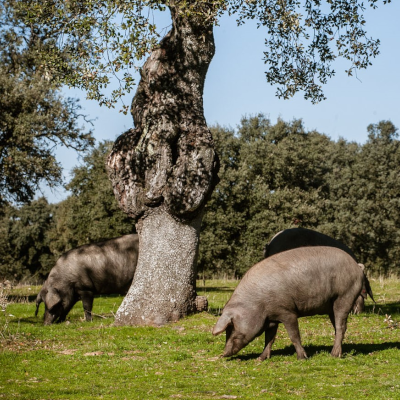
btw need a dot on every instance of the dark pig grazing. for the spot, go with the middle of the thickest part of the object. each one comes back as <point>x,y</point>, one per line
<point>289,285</point>
<point>301,237</point>
<point>100,268</point>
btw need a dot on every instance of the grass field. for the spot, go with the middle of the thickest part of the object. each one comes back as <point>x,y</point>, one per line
<point>79,360</point>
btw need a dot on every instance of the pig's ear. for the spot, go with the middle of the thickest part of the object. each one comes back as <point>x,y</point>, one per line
<point>52,299</point>
<point>221,324</point>
<point>362,266</point>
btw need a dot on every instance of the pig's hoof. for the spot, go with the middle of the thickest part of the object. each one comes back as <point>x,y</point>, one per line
<point>336,353</point>
<point>263,357</point>
<point>302,356</point>
<point>201,303</point>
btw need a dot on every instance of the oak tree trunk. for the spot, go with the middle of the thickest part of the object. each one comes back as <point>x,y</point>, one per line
<point>164,170</point>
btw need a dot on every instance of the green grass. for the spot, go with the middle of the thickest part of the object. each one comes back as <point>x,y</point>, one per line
<point>79,360</point>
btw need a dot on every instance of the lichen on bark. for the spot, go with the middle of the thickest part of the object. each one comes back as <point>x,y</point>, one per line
<point>169,157</point>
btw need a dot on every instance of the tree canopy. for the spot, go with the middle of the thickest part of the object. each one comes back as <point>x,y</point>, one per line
<point>25,251</point>
<point>34,117</point>
<point>98,41</point>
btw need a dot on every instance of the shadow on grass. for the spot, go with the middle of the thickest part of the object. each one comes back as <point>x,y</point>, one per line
<point>215,289</point>
<point>31,298</point>
<point>215,311</point>
<point>112,296</point>
<point>17,298</point>
<point>383,309</point>
<point>354,349</point>
<point>28,320</point>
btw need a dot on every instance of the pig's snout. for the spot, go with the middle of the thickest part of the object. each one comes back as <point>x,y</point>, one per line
<point>231,350</point>
<point>227,353</point>
<point>234,343</point>
<point>49,318</point>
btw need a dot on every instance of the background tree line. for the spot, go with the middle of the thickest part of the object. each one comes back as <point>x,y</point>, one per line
<point>273,177</point>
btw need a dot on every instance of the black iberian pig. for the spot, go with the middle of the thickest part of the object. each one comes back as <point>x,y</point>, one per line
<point>288,285</point>
<point>99,268</point>
<point>300,237</point>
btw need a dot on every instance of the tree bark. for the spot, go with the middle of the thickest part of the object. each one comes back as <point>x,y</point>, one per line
<point>164,170</point>
<point>164,285</point>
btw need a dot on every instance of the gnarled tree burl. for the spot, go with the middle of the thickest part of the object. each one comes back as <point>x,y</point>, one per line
<point>164,169</point>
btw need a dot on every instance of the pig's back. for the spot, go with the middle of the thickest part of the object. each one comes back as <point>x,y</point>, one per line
<point>103,267</point>
<point>305,279</point>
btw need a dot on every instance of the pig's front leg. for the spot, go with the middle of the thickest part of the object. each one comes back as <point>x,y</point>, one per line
<point>270,334</point>
<point>87,302</point>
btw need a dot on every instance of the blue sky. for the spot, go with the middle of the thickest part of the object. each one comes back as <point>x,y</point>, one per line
<point>236,86</point>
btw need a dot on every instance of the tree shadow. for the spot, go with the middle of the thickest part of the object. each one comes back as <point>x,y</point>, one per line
<point>17,298</point>
<point>387,308</point>
<point>112,296</point>
<point>29,320</point>
<point>215,289</point>
<point>351,348</point>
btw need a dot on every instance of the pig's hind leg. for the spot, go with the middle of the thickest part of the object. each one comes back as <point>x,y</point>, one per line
<point>270,334</point>
<point>339,321</point>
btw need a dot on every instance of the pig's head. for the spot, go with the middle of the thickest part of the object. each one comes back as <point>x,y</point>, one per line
<point>53,306</point>
<point>241,328</point>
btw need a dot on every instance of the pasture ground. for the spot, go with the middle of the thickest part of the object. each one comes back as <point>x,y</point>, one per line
<point>79,360</point>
